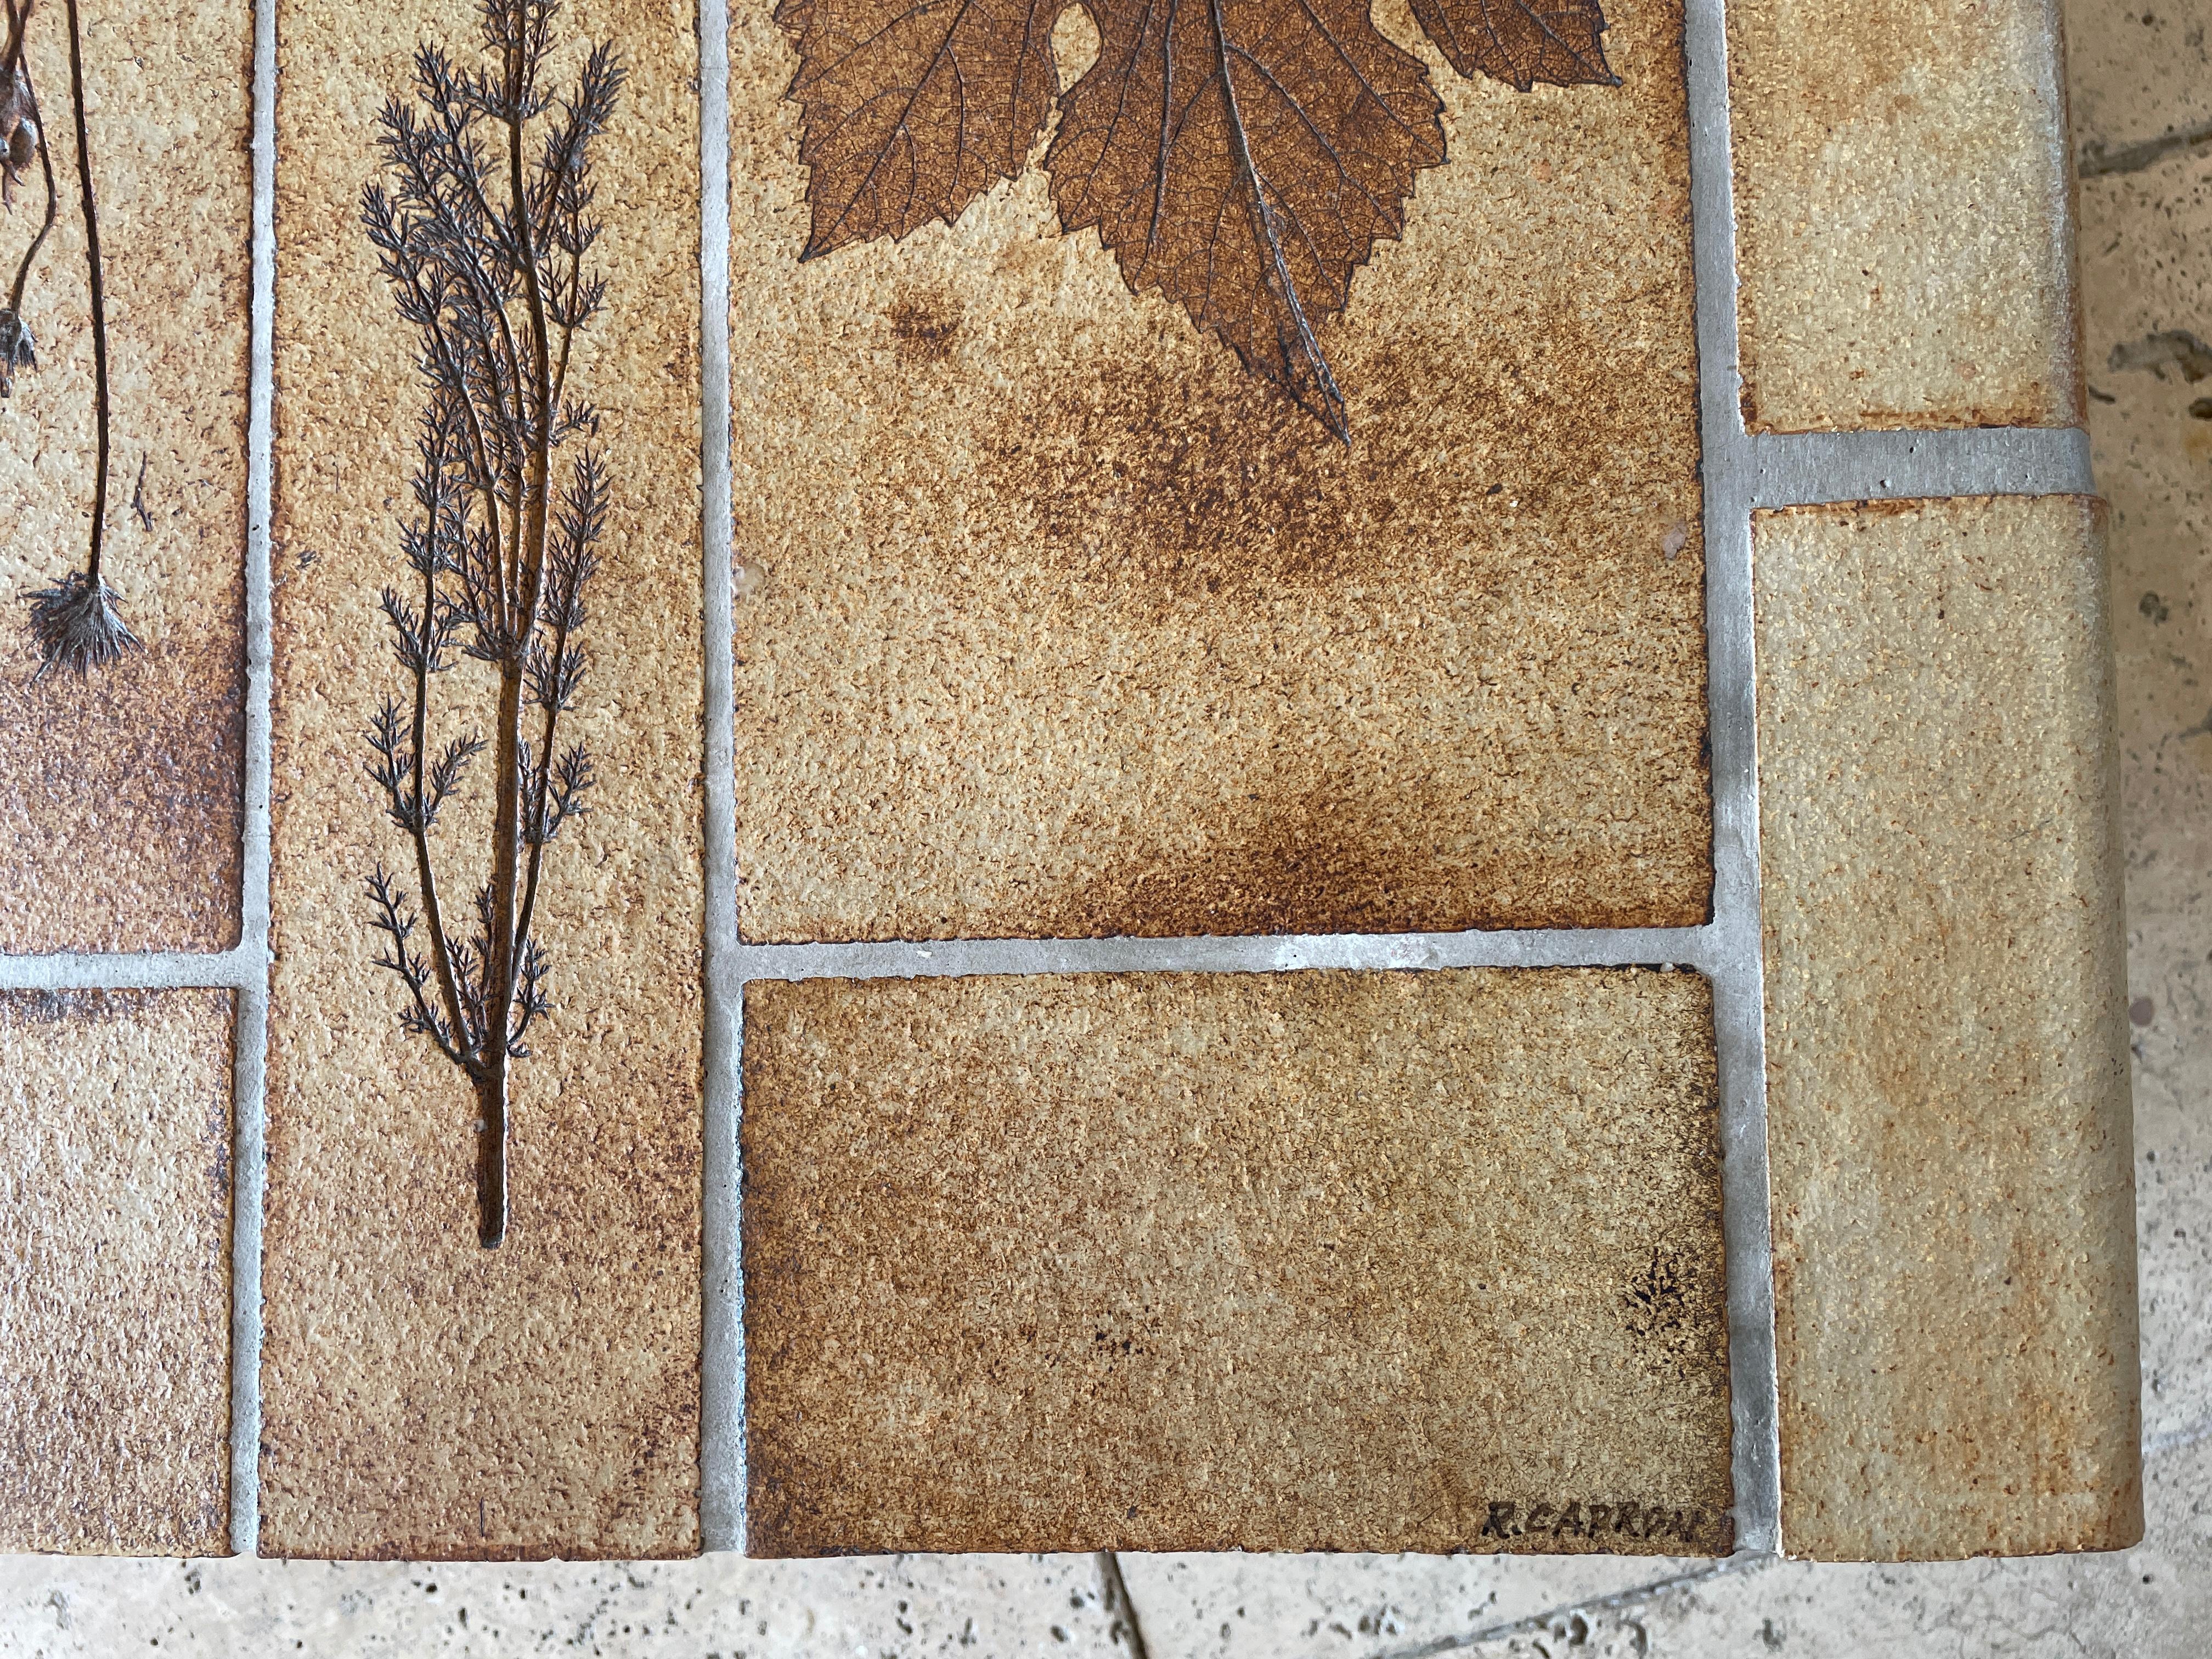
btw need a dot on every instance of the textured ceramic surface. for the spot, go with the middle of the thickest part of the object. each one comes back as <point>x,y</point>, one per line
<point>120,794</point>
<point>115,1299</point>
<point>1903,231</point>
<point>1275,1261</point>
<point>1947,1064</point>
<point>423,1396</point>
<point>1056,623</point>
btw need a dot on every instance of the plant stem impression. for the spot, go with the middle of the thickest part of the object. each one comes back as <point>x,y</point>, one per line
<point>483,233</point>
<point>75,620</point>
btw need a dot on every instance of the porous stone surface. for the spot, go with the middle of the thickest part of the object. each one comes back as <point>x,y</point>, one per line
<point>115,1272</point>
<point>121,793</point>
<point>1903,238</point>
<point>1325,1260</point>
<point>423,1396</point>
<point>1052,621</point>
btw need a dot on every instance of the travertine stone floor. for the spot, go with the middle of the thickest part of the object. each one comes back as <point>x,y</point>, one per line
<point>2146,259</point>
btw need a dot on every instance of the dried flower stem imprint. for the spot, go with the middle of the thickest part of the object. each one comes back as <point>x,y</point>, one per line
<point>75,620</point>
<point>484,243</point>
<point>1241,157</point>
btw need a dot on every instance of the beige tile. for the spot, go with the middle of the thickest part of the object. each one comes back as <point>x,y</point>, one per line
<point>1315,1261</point>
<point>1902,241</point>
<point>423,1396</point>
<point>1054,622</point>
<point>120,794</point>
<point>1946,1046</point>
<point>115,1297</point>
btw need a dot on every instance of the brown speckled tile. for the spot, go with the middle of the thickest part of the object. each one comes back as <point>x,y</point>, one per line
<point>1314,1260</point>
<point>115,1112</point>
<point>1904,240</point>
<point>120,793</point>
<point>1052,622</point>
<point>423,1396</point>
<point>1947,1039</point>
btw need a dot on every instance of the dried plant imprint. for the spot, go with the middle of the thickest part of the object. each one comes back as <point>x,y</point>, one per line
<point>482,231</point>
<point>74,623</point>
<point>1240,157</point>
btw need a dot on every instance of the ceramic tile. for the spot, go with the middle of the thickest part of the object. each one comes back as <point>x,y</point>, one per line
<point>115,1300</point>
<point>120,792</point>
<point>423,1395</point>
<point>1903,242</point>
<point>1326,1260</point>
<point>1946,1041</point>
<point>1054,621</point>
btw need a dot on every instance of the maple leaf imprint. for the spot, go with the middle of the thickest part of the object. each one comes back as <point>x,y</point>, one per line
<point>1240,157</point>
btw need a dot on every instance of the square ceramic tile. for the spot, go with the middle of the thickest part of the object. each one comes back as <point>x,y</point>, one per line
<point>1904,231</point>
<point>1058,618</point>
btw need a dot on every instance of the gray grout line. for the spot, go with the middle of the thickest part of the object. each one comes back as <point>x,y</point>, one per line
<point>1807,467</point>
<point>1595,947</point>
<point>249,1161</point>
<point>721,1337</point>
<point>1739,1013</point>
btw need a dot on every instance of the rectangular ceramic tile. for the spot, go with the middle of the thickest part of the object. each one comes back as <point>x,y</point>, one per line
<point>120,792</point>
<point>115,1299</point>
<point>1947,1049</point>
<point>423,1395</point>
<point>1053,620</point>
<point>1314,1260</point>
<point>1904,240</point>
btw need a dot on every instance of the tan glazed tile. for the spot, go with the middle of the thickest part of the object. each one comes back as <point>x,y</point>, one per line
<point>120,793</point>
<point>423,1396</point>
<point>115,1116</point>
<point>1947,1045</point>
<point>1053,621</point>
<point>1315,1261</point>
<point>1904,239</point>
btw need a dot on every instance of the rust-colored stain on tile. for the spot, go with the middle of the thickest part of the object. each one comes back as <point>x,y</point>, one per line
<point>1313,1260</point>
<point>115,1298</point>
<point>1947,1045</point>
<point>1054,622</point>
<point>120,793</point>
<point>423,1396</point>
<point>1904,230</point>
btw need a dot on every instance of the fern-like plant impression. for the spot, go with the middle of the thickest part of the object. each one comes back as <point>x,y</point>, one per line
<point>1239,157</point>
<point>483,230</point>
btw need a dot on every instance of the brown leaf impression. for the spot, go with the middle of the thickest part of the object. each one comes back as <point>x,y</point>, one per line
<point>1241,157</point>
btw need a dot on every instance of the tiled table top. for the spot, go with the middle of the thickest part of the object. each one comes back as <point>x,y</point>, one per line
<point>1161,827</point>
